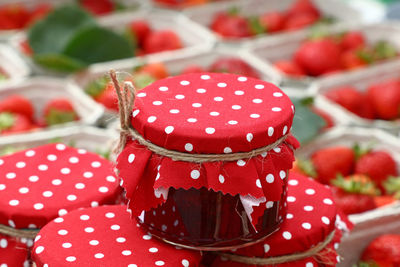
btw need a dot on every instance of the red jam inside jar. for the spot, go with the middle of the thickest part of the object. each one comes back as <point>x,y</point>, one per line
<point>207,220</point>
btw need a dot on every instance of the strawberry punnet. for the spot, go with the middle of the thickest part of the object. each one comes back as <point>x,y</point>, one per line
<point>318,57</point>
<point>329,162</point>
<point>378,165</point>
<point>17,104</point>
<point>58,111</point>
<point>384,251</point>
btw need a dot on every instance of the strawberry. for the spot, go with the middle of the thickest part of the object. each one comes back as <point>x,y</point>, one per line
<point>141,29</point>
<point>303,6</point>
<point>109,97</point>
<point>273,21</point>
<point>354,194</point>
<point>318,57</point>
<point>331,161</point>
<point>381,201</point>
<point>156,70</point>
<point>378,165</point>
<point>351,59</point>
<point>385,99</point>
<point>14,123</point>
<point>13,16</point>
<point>352,40</point>
<point>352,100</point>
<point>299,21</point>
<point>26,48</point>
<point>193,69</point>
<point>327,118</point>
<point>98,7</point>
<point>290,67</point>
<point>17,104</point>
<point>383,251</point>
<point>59,110</point>
<point>233,65</point>
<point>231,25</point>
<point>163,40</point>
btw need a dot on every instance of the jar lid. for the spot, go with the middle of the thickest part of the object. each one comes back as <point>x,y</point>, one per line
<point>212,113</point>
<point>39,184</point>
<point>13,252</point>
<point>311,218</point>
<point>104,236</point>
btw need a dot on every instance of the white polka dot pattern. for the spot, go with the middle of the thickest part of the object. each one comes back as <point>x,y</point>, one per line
<point>55,179</point>
<point>302,229</point>
<point>216,110</point>
<point>126,244</point>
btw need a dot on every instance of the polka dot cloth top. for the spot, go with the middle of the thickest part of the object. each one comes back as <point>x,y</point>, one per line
<point>37,185</point>
<point>311,217</point>
<point>208,113</point>
<point>104,236</point>
<point>212,113</point>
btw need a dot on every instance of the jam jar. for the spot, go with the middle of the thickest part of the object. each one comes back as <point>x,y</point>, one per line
<point>206,159</point>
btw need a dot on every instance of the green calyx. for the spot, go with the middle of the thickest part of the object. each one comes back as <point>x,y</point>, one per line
<point>255,26</point>
<point>55,117</point>
<point>385,50</point>
<point>356,186</point>
<point>392,186</point>
<point>233,11</point>
<point>365,55</point>
<point>360,151</point>
<point>96,87</point>
<point>7,120</point>
<point>3,77</point>
<point>307,167</point>
<point>142,80</point>
<point>366,264</point>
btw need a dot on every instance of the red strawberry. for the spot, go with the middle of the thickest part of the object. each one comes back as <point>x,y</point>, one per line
<point>303,6</point>
<point>193,69</point>
<point>98,7</point>
<point>14,123</point>
<point>385,99</point>
<point>26,48</point>
<point>318,57</point>
<point>156,70</point>
<point>17,104</point>
<point>290,67</point>
<point>378,165</point>
<point>354,194</point>
<point>383,251</point>
<point>327,118</point>
<point>299,21</point>
<point>163,40</point>
<point>273,21</point>
<point>353,40</point>
<point>141,29</point>
<point>233,65</point>
<point>351,59</point>
<point>109,98</point>
<point>231,25</point>
<point>352,100</point>
<point>59,110</point>
<point>13,16</point>
<point>381,201</point>
<point>331,161</point>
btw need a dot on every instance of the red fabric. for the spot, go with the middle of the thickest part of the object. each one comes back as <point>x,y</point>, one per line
<point>37,185</point>
<point>161,116</point>
<point>311,217</point>
<point>13,252</point>
<point>240,120</point>
<point>104,236</point>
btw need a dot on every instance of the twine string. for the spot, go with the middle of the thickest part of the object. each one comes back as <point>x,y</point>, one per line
<point>19,233</point>
<point>312,252</point>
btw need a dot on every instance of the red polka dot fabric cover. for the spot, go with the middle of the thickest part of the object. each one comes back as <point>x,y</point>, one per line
<point>37,185</point>
<point>311,217</point>
<point>208,113</point>
<point>104,236</point>
<point>13,252</point>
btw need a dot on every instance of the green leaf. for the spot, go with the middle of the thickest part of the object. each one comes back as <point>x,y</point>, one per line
<point>95,44</point>
<point>306,124</point>
<point>50,35</point>
<point>59,62</point>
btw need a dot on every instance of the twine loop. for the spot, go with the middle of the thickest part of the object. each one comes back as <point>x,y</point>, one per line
<point>19,233</point>
<point>312,252</point>
<point>126,99</point>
